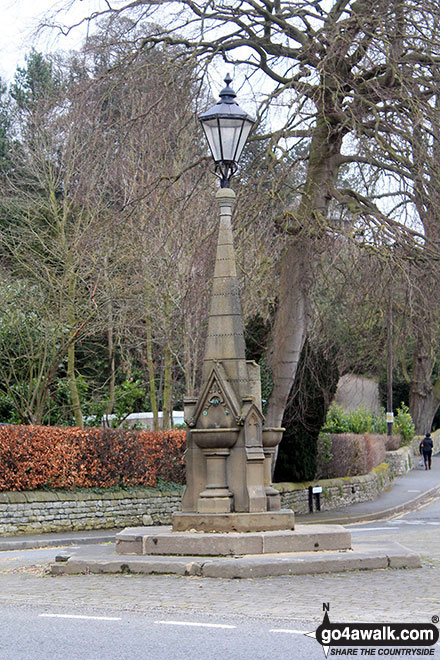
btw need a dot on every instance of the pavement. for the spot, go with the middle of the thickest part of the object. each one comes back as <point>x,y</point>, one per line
<point>57,539</point>
<point>407,493</point>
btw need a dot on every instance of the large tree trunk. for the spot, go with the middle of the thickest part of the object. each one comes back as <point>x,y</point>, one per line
<point>291,322</point>
<point>290,328</point>
<point>424,384</point>
<point>424,390</point>
<point>424,395</point>
<point>73,386</point>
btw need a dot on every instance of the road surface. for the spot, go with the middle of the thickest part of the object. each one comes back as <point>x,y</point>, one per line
<point>133,617</point>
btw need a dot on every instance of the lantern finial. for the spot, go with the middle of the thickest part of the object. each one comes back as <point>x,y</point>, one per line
<point>227,95</point>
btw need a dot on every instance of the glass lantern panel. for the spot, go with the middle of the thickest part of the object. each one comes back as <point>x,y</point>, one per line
<point>212,133</point>
<point>230,136</point>
<point>247,127</point>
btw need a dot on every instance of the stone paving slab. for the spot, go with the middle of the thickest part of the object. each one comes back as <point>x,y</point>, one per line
<point>361,557</point>
<point>54,539</point>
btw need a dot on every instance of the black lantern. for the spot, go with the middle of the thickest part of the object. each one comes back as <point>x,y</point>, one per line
<point>227,127</point>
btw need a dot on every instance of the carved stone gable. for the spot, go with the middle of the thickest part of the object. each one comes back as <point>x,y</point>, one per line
<point>253,426</point>
<point>217,405</point>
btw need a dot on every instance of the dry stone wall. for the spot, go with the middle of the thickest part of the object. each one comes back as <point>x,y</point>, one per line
<point>56,511</point>
<point>43,511</point>
<point>400,461</point>
<point>337,492</point>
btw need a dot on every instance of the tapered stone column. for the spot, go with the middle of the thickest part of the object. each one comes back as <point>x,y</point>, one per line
<point>225,340</point>
<point>228,480</point>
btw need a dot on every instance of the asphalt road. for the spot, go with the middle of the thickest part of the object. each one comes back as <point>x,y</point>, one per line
<point>418,530</point>
<point>157,617</point>
<point>33,633</point>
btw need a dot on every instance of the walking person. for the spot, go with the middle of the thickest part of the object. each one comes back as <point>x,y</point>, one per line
<point>425,450</point>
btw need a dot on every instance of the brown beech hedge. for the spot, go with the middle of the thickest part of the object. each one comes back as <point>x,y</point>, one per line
<point>62,457</point>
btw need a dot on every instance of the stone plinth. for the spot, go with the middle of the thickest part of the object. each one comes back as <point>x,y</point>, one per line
<point>261,521</point>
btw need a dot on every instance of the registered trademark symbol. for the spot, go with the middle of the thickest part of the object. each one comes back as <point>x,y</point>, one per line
<point>435,619</point>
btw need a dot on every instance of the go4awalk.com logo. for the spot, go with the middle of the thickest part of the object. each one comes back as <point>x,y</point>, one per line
<point>376,639</point>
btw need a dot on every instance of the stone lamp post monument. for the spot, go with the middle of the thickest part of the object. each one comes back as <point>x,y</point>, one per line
<point>228,459</point>
<point>229,507</point>
<point>231,524</point>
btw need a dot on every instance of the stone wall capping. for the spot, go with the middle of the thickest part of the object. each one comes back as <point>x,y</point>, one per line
<point>119,494</point>
<point>65,495</point>
<point>15,497</point>
<point>41,496</point>
<point>85,496</point>
<point>171,493</point>
<point>288,487</point>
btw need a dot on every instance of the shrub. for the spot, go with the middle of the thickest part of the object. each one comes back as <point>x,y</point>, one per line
<point>392,442</point>
<point>404,425</point>
<point>346,456</point>
<point>336,421</point>
<point>360,421</point>
<point>298,459</point>
<point>62,457</point>
<point>315,384</point>
<point>357,421</point>
<point>375,448</point>
<point>337,458</point>
<point>324,451</point>
<point>379,424</point>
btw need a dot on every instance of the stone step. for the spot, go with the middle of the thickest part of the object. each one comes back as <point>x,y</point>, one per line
<point>163,541</point>
<point>102,559</point>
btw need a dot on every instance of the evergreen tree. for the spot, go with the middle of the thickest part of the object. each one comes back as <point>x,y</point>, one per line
<point>313,390</point>
<point>5,129</point>
<point>35,82</point>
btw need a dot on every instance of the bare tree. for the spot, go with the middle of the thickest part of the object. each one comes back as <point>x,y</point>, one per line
<point>335,67</point>
<point>53,216</point>
<point>400,159</point>
<point>153,181</point>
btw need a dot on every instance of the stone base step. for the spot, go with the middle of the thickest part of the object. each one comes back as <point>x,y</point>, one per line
<point>163,541</point>
<point>102,559</point>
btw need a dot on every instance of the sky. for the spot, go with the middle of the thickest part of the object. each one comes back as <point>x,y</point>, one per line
<point>18,22</point>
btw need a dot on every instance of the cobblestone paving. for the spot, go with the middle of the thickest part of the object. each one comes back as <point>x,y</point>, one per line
<point>393,595</point>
